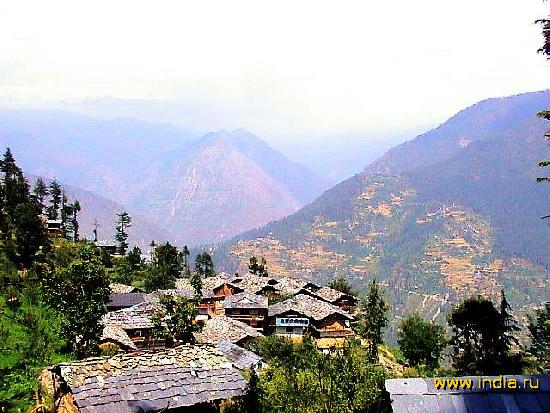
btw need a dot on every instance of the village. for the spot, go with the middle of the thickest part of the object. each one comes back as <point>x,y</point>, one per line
<point>233,311</point>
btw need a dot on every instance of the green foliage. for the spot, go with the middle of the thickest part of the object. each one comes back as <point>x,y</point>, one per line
<point>341,284</point>
<point>55,200</point>
<point>258,267</point>
<point>80,291</point>
<point>124,221</point>
<point>30,338</point>
<point>482,337</point>
<point>302,379</point>
<point>421,341</point>
<point>196,282</point>
<point>175,324</point>
<point>372,317</point>
<point>204,265</point>
<point>539,329</point>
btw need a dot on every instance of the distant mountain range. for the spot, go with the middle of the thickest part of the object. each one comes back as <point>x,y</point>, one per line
<point>454,212</point>
<point>178,188</point>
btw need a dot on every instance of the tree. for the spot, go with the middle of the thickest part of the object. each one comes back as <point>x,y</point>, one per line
<point>175,322</point>
<point>539,330</point>
<point>372,317</point>
<point>421,341</point>
<point>204,265</point>
<point>168,257</point>
<point>80,291</point>
<point>55,200</point>
<point>196,282</point>
<point>341,284</point>
<point>30,234</point>
<point>40,191</point>
<point>75,209</point>
<point>258,267</point>
<point>96,227</point>
<point>134,258</point>
<point>185,253</point>
<point>481,339</point>
<point>124,221</point>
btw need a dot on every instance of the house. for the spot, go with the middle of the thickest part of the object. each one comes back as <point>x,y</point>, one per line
<point>222,328</point>
<point>241,358</point>
<point>328,324</point>
<point>487,394</point>
<point>113,335</point>
<point>54,227</point>
<point>214,290</point>
<point>136,321</point>
<point>339,299</point>
<point>118,301</point>
<point>109,246</point>
<point>256,285</point>
<point>248,308</point>
<point>188,378</point>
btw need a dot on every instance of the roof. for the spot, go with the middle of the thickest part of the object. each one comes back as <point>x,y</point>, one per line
<point>245,300</point>
<point>117,335</point>
<point>118,288</point>
<point>254,283</point>
<point>135,317</point>
<point>106,243</point>
<point>209,284</point>
<point>222,328</point>
<point>308,306</point>
<point>125,299</point>
<point>420,395</point>
<point>241,358</point>
<point>184,292</point>
<point>174,378</point>
<point>330,294</point>
<point>290,286</point>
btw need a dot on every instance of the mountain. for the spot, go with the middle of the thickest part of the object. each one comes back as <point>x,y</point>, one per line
<point>201,190</point>
<point>452,213</point>
<point>227,183</point>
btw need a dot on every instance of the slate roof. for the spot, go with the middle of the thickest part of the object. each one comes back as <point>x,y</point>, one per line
<point>245,300</point>
<point>135,317</point>
<point>117,288</point>
<point>106,243</point>
<point>118,336</point>
<point>420,396</point>
<point>241,358</point>
<point>308,306</point>
<point>329,294</point>
<point>222,328</point>
<point>124,300</point>
<point>290,286</point>
<point>174,378</point>
<point>254,283</point>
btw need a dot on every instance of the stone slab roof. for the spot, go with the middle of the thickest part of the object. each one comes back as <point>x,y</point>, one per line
<point>254,283</point>
<point>329,294</point>
<point>241,358</point>
<point>245,300</point>
<point>117,288</point>
<point>135,317</point>
<point>222,328</point>
<point>118,336</point>
<point>125,299</point>
<point>171,378</point>
<point>420,396</point>
<point>308,306</point>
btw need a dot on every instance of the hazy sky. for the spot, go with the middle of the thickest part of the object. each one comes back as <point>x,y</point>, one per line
<point>277,67</point>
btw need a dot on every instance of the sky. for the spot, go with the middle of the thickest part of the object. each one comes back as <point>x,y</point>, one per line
<point>286,70</point>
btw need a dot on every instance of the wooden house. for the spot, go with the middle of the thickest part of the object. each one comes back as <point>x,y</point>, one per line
<point>248,308</point>
<point>304,313</point>
<point>222,328</point>
<point>339,299</point>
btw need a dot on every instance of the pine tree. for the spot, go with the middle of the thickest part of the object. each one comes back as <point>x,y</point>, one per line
<point>55,200</point>
<point>74,219</point>
<point>185,253</point>
<point>124,221</point>
<point>96,227</point>
<point>204,266</point>
<point>40,191</point>
<point>373,318</point>
<point>539,330</point>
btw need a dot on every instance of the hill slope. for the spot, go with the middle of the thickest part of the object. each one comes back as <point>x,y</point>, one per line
<point>435,219</point>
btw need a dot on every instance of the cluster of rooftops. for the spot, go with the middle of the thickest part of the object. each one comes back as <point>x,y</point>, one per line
<point>234,310</point>
<point>145,376</point>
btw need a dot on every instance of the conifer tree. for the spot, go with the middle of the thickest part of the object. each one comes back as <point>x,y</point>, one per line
<point>539,330</point>
<point>40,191</point>
<point>75,207</point>
<point>373,318</point>
<point>204,266</point>
<point>55,200</point>
<point>185,253</point>
<point>124,221</point>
